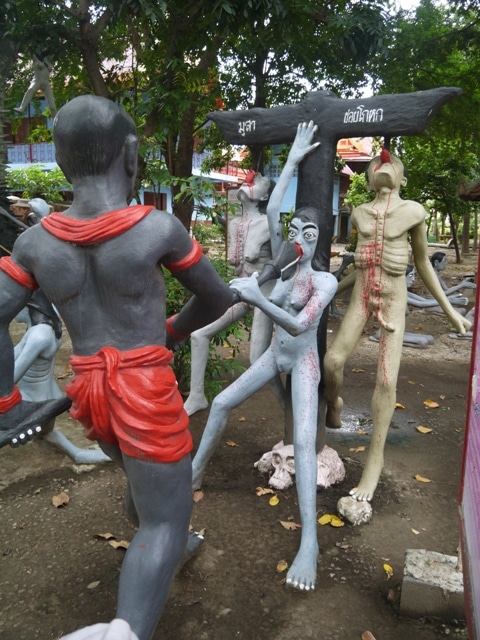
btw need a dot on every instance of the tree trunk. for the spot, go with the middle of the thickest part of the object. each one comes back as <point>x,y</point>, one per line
<point>8,230</point>
<point>434,228</point>
<point>454,238</point>
<point>475,228</point>
<point>466,233</point>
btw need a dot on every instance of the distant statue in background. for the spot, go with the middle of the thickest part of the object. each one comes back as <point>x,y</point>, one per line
<point>35,370</point>
<point>439,262</point>
<point>42,68</point>
<point>249,249</point>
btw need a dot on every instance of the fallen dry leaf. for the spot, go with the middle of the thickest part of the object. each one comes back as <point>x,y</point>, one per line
<point>290,526</point>
<point>442,397</point>
<point>61,499</point>
<point>367,635</point>
<point>388,570</point>
<point>331,519</point>
<point>68,371</point>
<point>93,585</point>
<point>198,495</point>
<point>399,405</point>
<point>423,429</point>
<point>261,491</point>
<point>421,478</point>
<point>231,443</point>
<point>415,531</point>
<point>336,522</point>
<point>242,419</point>
<point>282,565</point>
<point>104,536</point>
<point>362,433</point>
<point>431,404</point>
<point>200,532</point>
<point>358,370</point>
<point>274,500</point>
<point>119,544</point>
<point>411,382</point>
<point>358,449</point>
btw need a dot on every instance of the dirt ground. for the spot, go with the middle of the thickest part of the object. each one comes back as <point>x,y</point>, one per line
<point>56,575</point>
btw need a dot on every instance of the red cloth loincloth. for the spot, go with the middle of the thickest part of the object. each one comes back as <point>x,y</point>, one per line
<point>131,399</point>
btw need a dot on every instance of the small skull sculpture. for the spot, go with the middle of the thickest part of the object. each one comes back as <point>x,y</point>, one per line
<point>280,463</point>
<point>283,463</point>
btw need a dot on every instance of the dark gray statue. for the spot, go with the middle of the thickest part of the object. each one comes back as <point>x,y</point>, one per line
<point>111,296</point>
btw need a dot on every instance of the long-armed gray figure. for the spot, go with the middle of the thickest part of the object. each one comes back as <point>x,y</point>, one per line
<point>295,305</point>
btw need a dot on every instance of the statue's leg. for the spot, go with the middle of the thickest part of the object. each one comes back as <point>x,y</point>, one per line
<point>253,379</point>
<point>342,346</point>
<point>162,494</point>
<point>303,572</point>
<point>200,344</point>
<point>27,98</point>
<point>383,405</point>
<point>77,454</point>
<point>260,339</point>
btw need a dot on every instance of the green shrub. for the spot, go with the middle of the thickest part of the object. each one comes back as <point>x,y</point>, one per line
<point>219,369</point>
<point>35,182</point>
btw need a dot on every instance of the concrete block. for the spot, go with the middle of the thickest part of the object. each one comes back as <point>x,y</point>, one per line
<point>432,586</point>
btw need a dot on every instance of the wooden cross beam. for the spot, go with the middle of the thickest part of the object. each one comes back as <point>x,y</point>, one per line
<point>384,115</point>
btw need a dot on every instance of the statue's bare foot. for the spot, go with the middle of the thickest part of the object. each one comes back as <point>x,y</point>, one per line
<point>369,480</point>
<point>195,403</point>
<point>302,575</point>
<point>361,493</point>
<point>333,419</point>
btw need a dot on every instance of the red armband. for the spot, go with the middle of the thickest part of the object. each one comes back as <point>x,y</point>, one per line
<point>171,331</point>
<point>17,273</point>
<point>188,261</point>
<point>10,401</point>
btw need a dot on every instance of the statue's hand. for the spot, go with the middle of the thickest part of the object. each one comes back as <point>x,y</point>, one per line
<point>303,142</point>
<point>468,284</point>
<point>458,300</point>
<point>10,421</point>
<point>460,323</point>
<point>24,421</point>
<point>247,289</point>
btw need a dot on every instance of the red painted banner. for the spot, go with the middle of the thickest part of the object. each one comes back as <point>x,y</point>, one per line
<point>470,488</point>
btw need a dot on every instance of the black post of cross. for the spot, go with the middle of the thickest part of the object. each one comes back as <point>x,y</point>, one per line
<point>383,115</point>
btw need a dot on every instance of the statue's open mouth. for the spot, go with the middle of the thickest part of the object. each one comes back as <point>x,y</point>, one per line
<point>298,249</point>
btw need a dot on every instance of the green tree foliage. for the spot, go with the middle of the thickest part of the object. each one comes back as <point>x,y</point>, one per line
<point>34,182</point>
<point>170,63</point>
<point>437,45</point>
